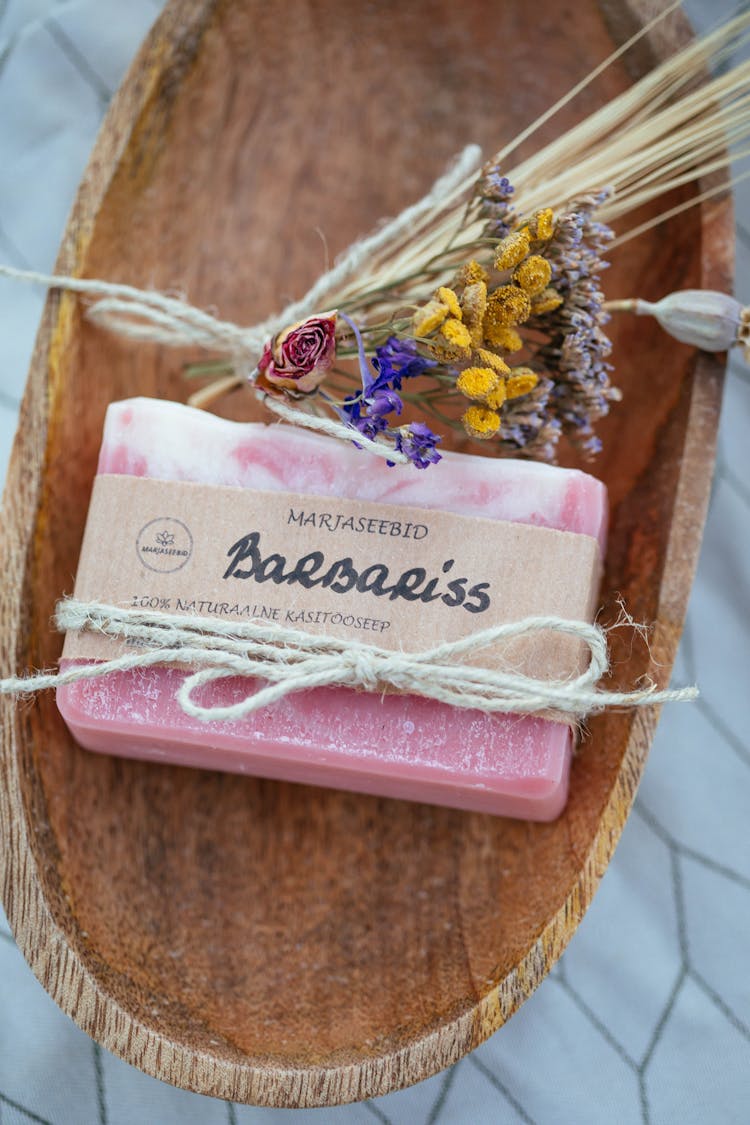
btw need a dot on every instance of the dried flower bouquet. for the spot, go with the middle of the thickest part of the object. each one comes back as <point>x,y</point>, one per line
<point>485,310</point>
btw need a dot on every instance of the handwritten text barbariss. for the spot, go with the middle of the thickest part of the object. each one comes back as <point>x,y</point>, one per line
<point>343,576</point>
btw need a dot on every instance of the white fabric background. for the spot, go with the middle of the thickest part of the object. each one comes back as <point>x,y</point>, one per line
<point>647,1016</point>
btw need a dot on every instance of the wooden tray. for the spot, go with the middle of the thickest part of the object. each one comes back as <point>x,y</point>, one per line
<point>266,942</point>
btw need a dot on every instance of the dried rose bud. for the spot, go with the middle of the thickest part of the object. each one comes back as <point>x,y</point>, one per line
<point>300,356</point>
<point>701,317</point>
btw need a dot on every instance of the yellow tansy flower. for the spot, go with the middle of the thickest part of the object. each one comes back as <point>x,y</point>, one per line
<point>507,339</point>
<point>507,306</point>
<point>489,359</point>
<point>543,224</point>
<point>492,332</point>
<point>470,273</point>
<point>521,381</point>
<point>533,275</point>
<point>497,396</point>
<point>512,249</point>
<point>450,300</point>
<point>546,301</point>
<point>445,354</point>
<point>429,317</point>
<point>479,422</point>
<point>477,382</point>
<point>474,306</point>
<point>456,333</point>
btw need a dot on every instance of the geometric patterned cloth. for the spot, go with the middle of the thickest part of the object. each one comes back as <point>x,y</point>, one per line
<point>646,1018</point>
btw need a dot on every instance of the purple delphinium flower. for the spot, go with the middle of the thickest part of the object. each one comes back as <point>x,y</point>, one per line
<point>355,413</point>
<point>369,411</point>
<point>384,401</point>
<point>418,442</point>
<point>396,360</point>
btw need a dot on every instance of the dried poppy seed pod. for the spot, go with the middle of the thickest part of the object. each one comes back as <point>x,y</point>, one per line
<point>701,317</point>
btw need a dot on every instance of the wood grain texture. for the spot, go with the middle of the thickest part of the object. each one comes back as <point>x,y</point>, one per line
<point>254,940</point>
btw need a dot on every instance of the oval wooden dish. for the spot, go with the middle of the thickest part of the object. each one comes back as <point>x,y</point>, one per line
<point>260,941</point>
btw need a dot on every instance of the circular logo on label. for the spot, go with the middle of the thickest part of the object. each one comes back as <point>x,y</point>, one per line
<point>164,544</point>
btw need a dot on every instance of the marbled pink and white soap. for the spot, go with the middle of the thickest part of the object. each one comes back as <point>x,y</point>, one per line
<point>394,746</point>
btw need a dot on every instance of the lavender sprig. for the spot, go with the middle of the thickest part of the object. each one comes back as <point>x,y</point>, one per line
<point>494,193</point>
<point>578,348</point>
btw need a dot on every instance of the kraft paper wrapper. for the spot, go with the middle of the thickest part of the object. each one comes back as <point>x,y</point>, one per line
<point>164,544</point>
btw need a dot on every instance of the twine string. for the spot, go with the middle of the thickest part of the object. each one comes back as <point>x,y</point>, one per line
<point>292,660</point>
<point>153,317</point>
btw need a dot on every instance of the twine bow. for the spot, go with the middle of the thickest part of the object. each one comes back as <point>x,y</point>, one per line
<point>292,660</point>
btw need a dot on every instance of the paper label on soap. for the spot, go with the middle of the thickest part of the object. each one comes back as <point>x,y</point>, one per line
<point>398,577</point>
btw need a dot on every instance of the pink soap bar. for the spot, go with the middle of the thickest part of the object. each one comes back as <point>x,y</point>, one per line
<point>395,746</point>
